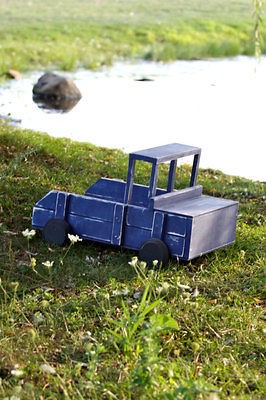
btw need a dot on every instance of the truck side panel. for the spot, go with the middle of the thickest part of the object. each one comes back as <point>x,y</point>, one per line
<point>176,225</point>
<point>139,217</point>
<point>134,237</point>
<point>91,207</point>
<point>175,244</point>
<point>213,230</point>
<point>44,209</point>
<point>176,234</point>
<point>40,216</point>
<point>48,201</point>
<point>90,228</point>
<point>96,219</point>
<point>137,226</point>
<point>142,224</point>
<point>89,217</point>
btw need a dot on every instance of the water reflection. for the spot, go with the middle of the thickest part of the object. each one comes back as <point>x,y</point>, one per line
<point>55,104</point>
<point>217,105</point>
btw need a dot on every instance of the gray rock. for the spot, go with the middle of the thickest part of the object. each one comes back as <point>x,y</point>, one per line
<point>55,86</point>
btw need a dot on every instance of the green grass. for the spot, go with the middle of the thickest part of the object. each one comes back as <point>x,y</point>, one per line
<point>72,34</point>
<point>92,326</point>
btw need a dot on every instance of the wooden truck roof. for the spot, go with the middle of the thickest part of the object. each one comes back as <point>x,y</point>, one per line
<point>165,153</point>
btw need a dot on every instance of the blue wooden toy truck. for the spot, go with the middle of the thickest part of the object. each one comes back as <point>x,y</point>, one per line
<point>158,223</point>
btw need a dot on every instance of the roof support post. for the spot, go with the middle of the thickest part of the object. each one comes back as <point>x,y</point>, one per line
<point>195,169</point>
<point>153,181</point>
<point>130,179</point>
<point>171,176</point>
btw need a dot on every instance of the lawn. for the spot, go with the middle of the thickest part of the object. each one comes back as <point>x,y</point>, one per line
<point>88,321</point>
<point>72,34</point>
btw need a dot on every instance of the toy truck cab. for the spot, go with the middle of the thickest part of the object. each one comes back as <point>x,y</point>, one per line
<point>159,223</point>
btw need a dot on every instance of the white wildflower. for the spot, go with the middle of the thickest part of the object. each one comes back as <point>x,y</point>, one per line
<point>196,292</point>
<point>123,292</point>
<point>29,233</point>
<point>17,372</point>
<point>90,259</point>
<point>133,262</point>
<point>74,238</point>
<point>48,368</point>
<point>163,289</point>
<point>143,265</point>
<point>117,292</point>
<point>183,287</point>
<point>48,264</point>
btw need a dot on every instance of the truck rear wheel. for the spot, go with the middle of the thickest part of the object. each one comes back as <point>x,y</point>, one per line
<point>55,231</point>
<point>154,249</point>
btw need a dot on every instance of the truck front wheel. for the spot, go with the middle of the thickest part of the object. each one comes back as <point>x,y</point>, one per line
<point>55,231</point>
<point>154,249</point>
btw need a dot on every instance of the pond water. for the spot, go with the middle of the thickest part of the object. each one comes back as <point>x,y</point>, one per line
<point>217,105</point>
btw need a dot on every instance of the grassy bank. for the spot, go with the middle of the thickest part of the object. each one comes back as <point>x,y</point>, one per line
<point>73,33</point>
<point>88,325</point>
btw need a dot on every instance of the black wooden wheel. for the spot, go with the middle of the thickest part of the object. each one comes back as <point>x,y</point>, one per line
<point>55,231</point>
<point>154,249</point>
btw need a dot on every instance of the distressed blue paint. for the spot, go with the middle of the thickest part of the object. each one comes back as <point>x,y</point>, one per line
<point>109,189</point>
<point>175,244</point>
<point>136,214</point>
<point>195,169</point>
<point>128,214</point>
<point>166,153</point>
<point>90,228</point>
<point>91,207</point>
<point>117,224</point>
<point>41,216</point>
<point>134,237</point>
<point>171,176</point>
<point>61,205</point>
<point>158,224</point>
<point>48,201</point>
<point>176,225</point>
